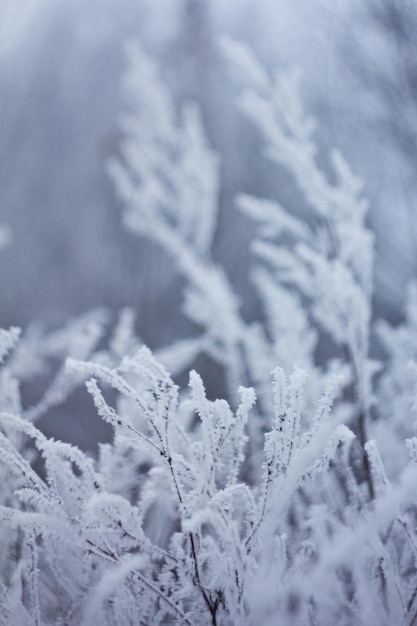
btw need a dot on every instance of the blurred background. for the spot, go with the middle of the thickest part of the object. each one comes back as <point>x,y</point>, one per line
<point>61,66</point>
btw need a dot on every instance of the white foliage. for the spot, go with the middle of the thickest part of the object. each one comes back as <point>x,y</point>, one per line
<point>240,511</point>
<point>181,204</point>
<point>93,546</point>
<point>328,259</point>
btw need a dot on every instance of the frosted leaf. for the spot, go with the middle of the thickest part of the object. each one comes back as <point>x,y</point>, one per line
<point>326,400</point>
<point>341,434</point>
<point>124,340</point>
<point>273,219</point>
<point>245,62</point>
<point>113,418</point>
<point>248,399</point>
<point>376,464</point>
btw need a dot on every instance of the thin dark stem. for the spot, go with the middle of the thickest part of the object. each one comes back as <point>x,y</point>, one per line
<point>263,509</point>
<point>361,426</point>
<point>361,422</point>
<point>212,606</point>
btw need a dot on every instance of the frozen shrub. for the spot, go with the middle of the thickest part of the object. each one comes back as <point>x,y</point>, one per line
<point>246,510</point>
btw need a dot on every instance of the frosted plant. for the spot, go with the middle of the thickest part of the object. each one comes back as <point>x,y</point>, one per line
<point>37,356</point>
<point>327,257</point>
<point>168,181</point>
<point>184,538</point>
<point>232,512</point>
<point>88,554</point>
